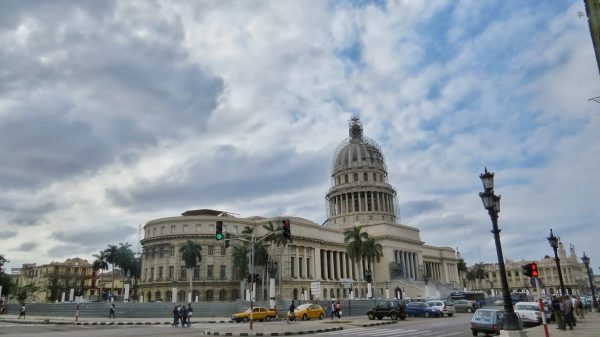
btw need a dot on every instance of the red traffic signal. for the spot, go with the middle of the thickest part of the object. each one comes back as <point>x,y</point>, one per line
<point>286,229</point>
<point>533,269</point>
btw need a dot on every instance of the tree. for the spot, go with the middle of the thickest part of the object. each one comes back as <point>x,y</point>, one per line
<point>354,239</point>
<point>25,292</point>
<point>240,261</point>
<point>112,257</point>
<point>477,272</point>
<point>462,268</point>
<point>125,259</point>
<point>5,280</point>
<point>100,264</point>
<point>192,254</point>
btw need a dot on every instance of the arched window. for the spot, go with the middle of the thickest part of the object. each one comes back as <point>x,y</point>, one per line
<point>295,294</point>
<point>195,295</point>
<point>222,295</point>
<point>338,292</point>
<point>168,296</point>
<point>235,294</point>
<point>332,292</point>
<point>345,294</point>
<point>149,296</point>
<point>209,295</point>
<point>181,296</point>
<point>324,293</point>
<point>157,296</point>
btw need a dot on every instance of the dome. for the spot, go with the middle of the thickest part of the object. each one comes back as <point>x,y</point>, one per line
<point>358,151</point>
<point>360,192</point>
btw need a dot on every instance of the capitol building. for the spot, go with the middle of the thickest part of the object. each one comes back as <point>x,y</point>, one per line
<point>315,264</point>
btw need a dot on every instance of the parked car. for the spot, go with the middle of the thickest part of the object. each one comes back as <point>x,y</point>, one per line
<point>307,311</point>
<point>529,313</point>
<point>258,314</point>
<point>488,321</point>
<point>422,309</point>
<point>465,306</point>
<point>499,302</point>
<point>442,307</point>
<point>392,309</point>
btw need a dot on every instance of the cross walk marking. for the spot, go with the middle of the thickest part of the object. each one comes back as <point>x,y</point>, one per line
<point>378,332</point>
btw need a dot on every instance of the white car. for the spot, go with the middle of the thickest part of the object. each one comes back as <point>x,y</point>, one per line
<point>442,307</point>
<point>529,313</point>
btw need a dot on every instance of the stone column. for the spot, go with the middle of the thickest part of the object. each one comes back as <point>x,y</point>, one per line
<point>343,271</point>
<point>317,263</point>
<point>325,265</point>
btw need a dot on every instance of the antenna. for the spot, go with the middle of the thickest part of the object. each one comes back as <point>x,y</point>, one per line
<point>139,239</point>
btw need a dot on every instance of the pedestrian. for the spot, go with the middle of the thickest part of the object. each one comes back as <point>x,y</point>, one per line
<point>22,312</point>
<point>557,310</point>
<point>190,311</point>
<point>111,312</point>
<point>292,313</point>
<point>568,312</point>
<point>175,316</point>
<point>579,308</point>
<point>573,303</point>
<point>338,310</point>
<point>183,314</point>
<point>332,307</point>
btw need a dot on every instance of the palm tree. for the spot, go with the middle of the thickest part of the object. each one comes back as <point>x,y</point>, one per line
<point>191,253</point>
<point>112,257</point>
<point>354,239</point>
<point>461,266</point>
<point>240,261</point>
<point>125,259</point>
<point>100,264</point>
<point>373,252</point>
<point>275,239</point>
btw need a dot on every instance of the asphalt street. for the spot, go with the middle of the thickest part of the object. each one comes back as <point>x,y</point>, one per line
<point>422,327</point>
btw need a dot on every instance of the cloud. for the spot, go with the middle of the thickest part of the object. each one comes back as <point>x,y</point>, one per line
<point>93,237</point>
<point>26,247</point>
<point>417,207</point>
<point>7,234</point>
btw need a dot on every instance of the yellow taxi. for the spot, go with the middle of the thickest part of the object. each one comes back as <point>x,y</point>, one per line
<point>258,314</point>
<point>307,311</point>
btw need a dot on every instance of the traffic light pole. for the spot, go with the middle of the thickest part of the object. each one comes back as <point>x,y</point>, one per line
<point>541,301</point>
<point>252,241</point>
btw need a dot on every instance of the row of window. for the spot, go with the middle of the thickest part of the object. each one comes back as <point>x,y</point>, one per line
<point>375,176</point>
<point>162,251</point>
<point>168,273</point>
<point>186,228</point>
<point>182,297</point>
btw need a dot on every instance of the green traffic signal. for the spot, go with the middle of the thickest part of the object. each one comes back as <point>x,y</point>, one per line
<point>219,236</point>
<point>219,230</point>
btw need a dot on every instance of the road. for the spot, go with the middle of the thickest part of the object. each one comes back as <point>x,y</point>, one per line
<point>421,327</point>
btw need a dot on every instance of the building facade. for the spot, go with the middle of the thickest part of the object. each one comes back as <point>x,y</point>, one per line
<point>315,264</point>
<point>574,275</point>
<point>74,278</point>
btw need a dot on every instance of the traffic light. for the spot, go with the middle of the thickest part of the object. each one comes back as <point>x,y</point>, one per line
<point>227,238</point>
<point>219,231</point>
<point>286,229</point>
<point>249,277</point>
<point>530,270</point>
<point>368,276</point>
<point>534,270</point>
<point>256,278</point>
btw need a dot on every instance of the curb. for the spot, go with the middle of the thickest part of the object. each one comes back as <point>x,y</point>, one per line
<point>47,321</point>
<point>288,333</point>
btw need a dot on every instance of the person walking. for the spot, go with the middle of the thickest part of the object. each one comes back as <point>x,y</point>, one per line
<point>579,308</point>
<point>22,312</point>
<point>292,314</point>
<point>190,311</point>
<point>568,312</point>
<point>338,310</point>
<point>183,314</point>
<point>557,310</point>
<point>175,316</point>
<point>111,312</point>
<point>332,307</point>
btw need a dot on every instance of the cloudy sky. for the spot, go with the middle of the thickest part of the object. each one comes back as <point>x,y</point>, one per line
<point>116,113</point>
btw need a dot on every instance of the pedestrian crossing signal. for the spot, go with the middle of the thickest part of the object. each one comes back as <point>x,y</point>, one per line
<point>219,231</point>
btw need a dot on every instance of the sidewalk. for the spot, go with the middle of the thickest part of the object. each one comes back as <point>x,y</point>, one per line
<point>105,321</point>
<point>587,327</point>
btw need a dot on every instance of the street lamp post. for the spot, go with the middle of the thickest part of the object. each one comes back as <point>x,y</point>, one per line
<point>553,240</point>
<point>491,203</point>
<point>586,262</point>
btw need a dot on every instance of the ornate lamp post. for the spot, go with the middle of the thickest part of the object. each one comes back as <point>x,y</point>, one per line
<point>553,240</point>
<point>491,203</point>
<point>586,262</point>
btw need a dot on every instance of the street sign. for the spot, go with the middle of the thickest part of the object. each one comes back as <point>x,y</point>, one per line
<point>315,288</point>
<point>346,283</point>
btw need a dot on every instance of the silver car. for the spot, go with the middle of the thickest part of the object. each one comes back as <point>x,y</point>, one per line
<point>443,306</point>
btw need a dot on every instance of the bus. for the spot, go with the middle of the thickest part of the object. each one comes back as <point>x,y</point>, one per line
<point>475,296</point>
